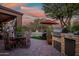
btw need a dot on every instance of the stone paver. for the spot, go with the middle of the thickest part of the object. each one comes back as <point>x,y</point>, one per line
<point>37,48</point>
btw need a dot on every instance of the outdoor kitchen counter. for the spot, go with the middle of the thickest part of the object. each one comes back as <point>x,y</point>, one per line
<point>70,36</point>
<point>69,44</point>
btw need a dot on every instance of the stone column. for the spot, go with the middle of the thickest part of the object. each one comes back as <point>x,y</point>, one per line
<point>19,20</point>
<point>77,46</point>
<point>53,40</point>
<point>62,44</point>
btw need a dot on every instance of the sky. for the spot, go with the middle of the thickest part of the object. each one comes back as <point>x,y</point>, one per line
<point>31,11</point>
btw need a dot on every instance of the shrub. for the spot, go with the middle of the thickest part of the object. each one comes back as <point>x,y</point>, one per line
<point>75,27</point>
<point>37,37</point>
<point>19,31</point>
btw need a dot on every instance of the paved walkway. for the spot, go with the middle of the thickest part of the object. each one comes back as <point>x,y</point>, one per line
<point>37,48</point>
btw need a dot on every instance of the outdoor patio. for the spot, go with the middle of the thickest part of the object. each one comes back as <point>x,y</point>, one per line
<point>44,36</point>
<point>37,48</point>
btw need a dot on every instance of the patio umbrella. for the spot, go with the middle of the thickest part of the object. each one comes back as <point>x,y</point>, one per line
<point>49,22</point>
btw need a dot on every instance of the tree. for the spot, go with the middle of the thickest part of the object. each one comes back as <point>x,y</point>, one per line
<point>61,11</point>
<point>36,25</point>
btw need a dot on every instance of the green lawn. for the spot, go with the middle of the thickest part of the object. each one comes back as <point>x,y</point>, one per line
<point>37,37</point>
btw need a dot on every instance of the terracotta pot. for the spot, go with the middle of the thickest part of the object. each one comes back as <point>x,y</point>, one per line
<point>49,39</point>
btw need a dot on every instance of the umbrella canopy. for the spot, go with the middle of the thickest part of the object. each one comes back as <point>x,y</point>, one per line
<point>49,22</point>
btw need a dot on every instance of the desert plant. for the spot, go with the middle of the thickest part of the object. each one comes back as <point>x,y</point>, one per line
<point>49,35</point>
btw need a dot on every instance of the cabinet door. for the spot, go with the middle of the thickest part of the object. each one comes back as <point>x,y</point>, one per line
<point>69,47</point>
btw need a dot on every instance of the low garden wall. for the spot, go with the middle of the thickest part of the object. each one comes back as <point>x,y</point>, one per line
<point>11,43</point>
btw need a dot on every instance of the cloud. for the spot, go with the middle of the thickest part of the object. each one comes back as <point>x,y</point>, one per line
<point>26,19</point>
<point>12,5</point>
<point>32,11</point>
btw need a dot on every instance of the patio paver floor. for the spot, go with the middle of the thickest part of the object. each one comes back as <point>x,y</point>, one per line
<point>37,48</point>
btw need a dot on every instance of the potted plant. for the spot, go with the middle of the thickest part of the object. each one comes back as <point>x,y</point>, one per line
<point>22,37</point>
<point>49,35</point>
<point>19,31</point>
<point>19,36</point>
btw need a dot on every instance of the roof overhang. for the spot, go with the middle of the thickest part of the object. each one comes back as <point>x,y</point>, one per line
<point>10,10</point>
<point>7,14</point>
<point>6,17</point>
